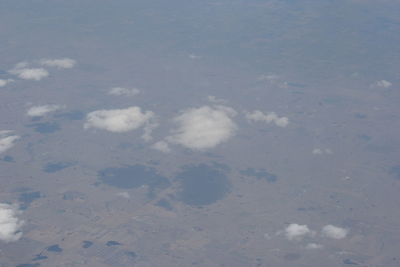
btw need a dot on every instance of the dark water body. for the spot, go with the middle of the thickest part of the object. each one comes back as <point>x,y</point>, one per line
<point>28,265</point>
<point>26,198</point>
<point>364,137</point>
<point>129,177</point>
<point>8,158</point>
<point>45,127</point>
<point>395,172</point>
<point>39,257</point>
<point>349,262</point>
<point>202,185</point>
<point>260,174</point>
<point>87,244</point>
<point>74,115</point>
<point>73,195</point>
<point>131,254</point>
<point>292,256</point>
<point>113,243</point>
<point>54,248</point>
<point>52,167</point>
<point>163,203</point>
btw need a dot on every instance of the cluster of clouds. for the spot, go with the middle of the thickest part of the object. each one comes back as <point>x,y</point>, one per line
<point>7,140</point>
<point>41,110</point>
<point>257,115</point>
<point>10,224</point>
<point>297,232</point>
<point>198,128</point>
<point>24,71</point>
<point>121,91</point>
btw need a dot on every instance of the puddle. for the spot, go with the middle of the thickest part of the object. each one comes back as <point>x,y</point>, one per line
<point>54,248</point>
<point>87,244</point>
<point>113,243</point>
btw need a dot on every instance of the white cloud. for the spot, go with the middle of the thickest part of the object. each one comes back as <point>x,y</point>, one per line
<point>314,246</point>
<point>124,195</point>
<point>123,91</point>
<point>193,56</point>
<point>203,128</point>
<point>162,146</point>
<point>296,231</point>
<point>120,120</point>
<point>22,71</point>
<point>62,63</point>
<point>383,84</point>
<point>38,111</point>
<point>257,115</point>
<point>10,225</point>
<point>7,140</point>
<point>216,100</point>
<point>4,82</point>
<point>334,232</point>
<point>319,151</point>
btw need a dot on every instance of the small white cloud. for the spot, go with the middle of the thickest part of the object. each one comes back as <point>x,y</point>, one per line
<point>383,84</point>
<point>62,63</point>
<point>334,232</point>
<point>7,140</point>
<point>257,115</point>
<point>314,246</point>
<point>203,128</point>
<point>193,56</point>
<point>162,146</point>
<point>23,72</point>
<point>10,225</point>
<point>148,130</point>
<point>319,151</point>
<point>215,100</point>
<point>124,195</point>
<point>119,120</point>
<point>38,111</point>
<point>123,91</point>
<point>4,82</point>
<point>268,77</point>
<point>296,231</point>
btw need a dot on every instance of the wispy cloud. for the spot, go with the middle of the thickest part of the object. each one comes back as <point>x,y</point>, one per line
<point>10,225</point>
<point>4,82</point>
<point>121,91</point>
<point>22,71</point>
<point>383,84</point>
<point>61,63</point>
<point>162,146</point>
<point>320,151</point>
<point>7,140</point>
<point>38,111</point>
<point>257,115</point>
<point>203,128</point>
